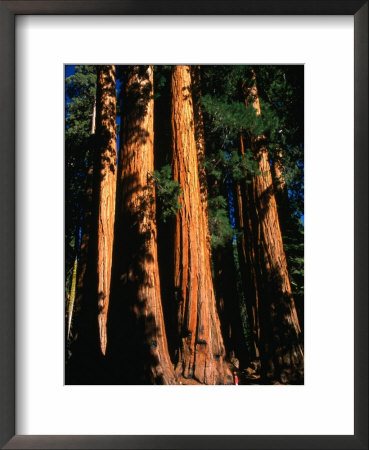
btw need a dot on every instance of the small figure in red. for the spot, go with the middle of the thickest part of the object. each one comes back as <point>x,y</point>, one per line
<point>235,377</point>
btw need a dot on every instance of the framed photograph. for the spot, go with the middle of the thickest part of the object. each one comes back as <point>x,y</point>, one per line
<point>184,224</point>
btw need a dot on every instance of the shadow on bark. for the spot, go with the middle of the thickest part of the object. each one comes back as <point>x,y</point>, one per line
<point>163,156</point>
<point>281,344</point>
<point>281,340</point>
<point>225,284</point>
<point>133,333</point>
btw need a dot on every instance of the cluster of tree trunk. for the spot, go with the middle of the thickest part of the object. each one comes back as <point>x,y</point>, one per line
<point>121,320</point>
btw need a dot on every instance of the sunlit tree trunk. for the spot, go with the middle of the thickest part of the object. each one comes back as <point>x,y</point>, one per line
<point>280,348</point>
<point>202,350</point>
<point>200,143</point>
<point>105,176</point>
<point>280,188</point>
<point>137,224</point>
<point>72,296</point>
<point>287,222</point>
<point>278,173</point>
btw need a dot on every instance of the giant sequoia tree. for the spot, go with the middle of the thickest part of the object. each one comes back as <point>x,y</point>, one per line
<point>184,256</point>
<point>275,323</point>
<point>202,350</point>
<point>105,182</point>
<point>137,255</point>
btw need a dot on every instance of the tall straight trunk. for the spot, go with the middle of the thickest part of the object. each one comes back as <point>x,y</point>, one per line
<point>202,350</point>
<point>280,344</point>
<point>137,225</point>
<point>288,224</point>
<point>246,255</point>
<point>105,182</point>
<point>200,143</point>
<point>72,296</point>
<point>225,280</point>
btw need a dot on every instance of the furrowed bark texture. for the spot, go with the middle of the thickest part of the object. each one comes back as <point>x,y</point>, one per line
<point>278,173</point>
<point>200,144</point>
<point>137,195</point>
<point>280,189</point>
<point>202,350</point>
<point>106,175</point>
<point>280,348</point>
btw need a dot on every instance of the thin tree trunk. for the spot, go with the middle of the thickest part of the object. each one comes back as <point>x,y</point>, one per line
<point>93,118</point>
<point>246,253</point>
<point>280,347</point>
<point>202,350</point>
<point>106,174</point>
<point>72,296</point>
<point>137,224</point>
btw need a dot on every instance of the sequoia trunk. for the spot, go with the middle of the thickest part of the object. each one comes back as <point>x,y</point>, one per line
<point>280,348</point>
<point>105,182</point>
<point>137,227</point>
<point>200,143</point>
<point>202,350</point>
<point>246,255</point>
<point>280,189</point>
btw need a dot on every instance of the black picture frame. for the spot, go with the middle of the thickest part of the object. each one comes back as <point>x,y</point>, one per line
<point>8,11</point>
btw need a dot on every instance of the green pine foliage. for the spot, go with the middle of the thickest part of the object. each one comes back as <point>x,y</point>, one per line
<point>226,116</point>
<point>168,192</point>
<point>223,165</point>
<point>231,116</point>
<point>161,79</point>
<point>80,92</point>
<point>281,88</point>
<point>220,228</point>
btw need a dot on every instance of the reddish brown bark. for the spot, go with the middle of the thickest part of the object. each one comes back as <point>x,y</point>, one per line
<point>280,189</point>
<point>200,143</point>
<point>202,350</point>
<point>274,316</point>
<point>278,173</point>
<point>137,196</point>
<point>106,185</point>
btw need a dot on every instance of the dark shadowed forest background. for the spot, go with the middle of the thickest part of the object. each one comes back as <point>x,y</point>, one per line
<point>184,236</point>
